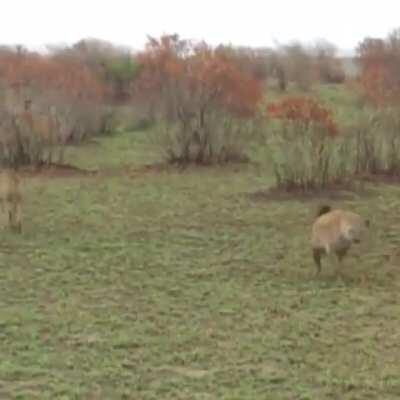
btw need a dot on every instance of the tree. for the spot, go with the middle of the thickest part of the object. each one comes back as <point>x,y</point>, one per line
<point>379,60</point>
<point>37,72</point>
<point>252,62</point>
<point>114,66</point>
<point>328,66</point>
<point>299,65</point>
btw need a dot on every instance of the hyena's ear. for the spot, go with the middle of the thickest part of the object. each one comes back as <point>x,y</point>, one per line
<point>324,210</point>
<point>367,223</point>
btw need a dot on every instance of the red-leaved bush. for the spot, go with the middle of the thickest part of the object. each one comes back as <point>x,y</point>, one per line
<point>305,110</point>
<point>200,97</point>
<point>42,72</point>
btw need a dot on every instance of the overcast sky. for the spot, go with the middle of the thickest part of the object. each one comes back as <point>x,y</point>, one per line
<point>247,22</point>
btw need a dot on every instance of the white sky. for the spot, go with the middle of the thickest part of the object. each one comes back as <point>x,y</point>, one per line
<point>35,23</point>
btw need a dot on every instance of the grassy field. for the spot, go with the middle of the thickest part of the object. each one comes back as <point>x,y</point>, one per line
<point>140,283</point>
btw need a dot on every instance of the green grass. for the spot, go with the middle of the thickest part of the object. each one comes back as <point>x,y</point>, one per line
<point>178,285</point>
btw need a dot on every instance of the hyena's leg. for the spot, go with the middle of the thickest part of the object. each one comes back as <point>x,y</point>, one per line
<point>317,253</point>
<point>15,216</point>
<point>3,212</point>
<point>19,218</point>
<point>10,210</point>
<point>8,214</point>
<point>340,254</point>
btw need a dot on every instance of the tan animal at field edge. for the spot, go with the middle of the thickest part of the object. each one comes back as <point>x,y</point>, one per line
<point>334,231</point>
<point>11,198</point>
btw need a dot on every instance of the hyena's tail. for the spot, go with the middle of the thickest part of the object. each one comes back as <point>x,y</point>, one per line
<point>323,210</point>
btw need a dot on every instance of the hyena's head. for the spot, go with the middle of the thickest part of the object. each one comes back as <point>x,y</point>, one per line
<point>356,228</point>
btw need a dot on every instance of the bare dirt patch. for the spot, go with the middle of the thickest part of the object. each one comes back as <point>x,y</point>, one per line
<point>381,177</point>
<point>66,170</point>
<point>151,168</point>
<point>84,142</point>
<point>56,171</point>
<point>346,191</point>
<point>135,171</point>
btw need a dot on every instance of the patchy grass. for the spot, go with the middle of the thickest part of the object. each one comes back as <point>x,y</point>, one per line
<point>179,285</point>
<point>111,152</point>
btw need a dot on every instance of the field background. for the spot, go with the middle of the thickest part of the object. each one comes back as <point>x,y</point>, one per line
<point>141,282</point>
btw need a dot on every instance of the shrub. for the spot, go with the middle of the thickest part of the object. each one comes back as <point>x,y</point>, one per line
<point>223,139</point>
<point>306,152</point>
<point>377,141</point>
<point>68,85</point>
<point>29,139</point>
<point>201,99</point>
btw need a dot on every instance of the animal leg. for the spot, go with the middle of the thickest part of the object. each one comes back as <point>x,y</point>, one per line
<point>16,217</point>
<point>4,212</point>
<point>8,214</point>
<point>13,216</point>
<point>10,217</point>
<point>317,259</point>
<point>339,264</point>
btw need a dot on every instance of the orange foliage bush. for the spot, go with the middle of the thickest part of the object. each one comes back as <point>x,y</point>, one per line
<point>61,89</point>
<point>305,110</point>
<point>195,88</point>
<point>212,76</point>
<point>44,73</point>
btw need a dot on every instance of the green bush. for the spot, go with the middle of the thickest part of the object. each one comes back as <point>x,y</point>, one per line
<point>305,157</point>
<point>377,141</point>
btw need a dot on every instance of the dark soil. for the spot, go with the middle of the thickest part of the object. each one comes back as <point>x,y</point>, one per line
<point>344,191</point>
